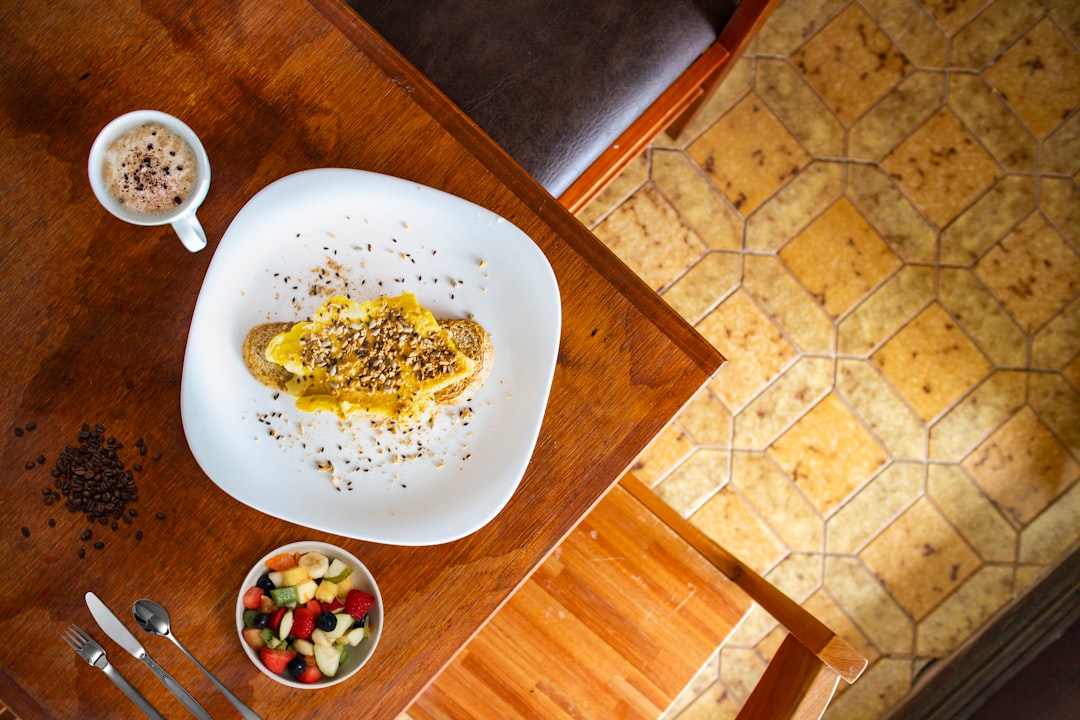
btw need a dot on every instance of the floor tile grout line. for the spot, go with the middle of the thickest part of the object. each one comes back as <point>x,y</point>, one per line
<point>887,522</point>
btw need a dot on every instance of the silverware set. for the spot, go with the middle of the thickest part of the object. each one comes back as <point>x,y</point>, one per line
<point>94,654</point>
<point>154,619</point>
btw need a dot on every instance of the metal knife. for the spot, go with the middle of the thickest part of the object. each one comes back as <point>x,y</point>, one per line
<point>123,637</point>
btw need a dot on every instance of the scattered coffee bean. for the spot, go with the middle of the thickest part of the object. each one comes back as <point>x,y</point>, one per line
<point>30,465</point>
<point>132,512</point>
<point>26,532</point>
<point>114,525</point>
<point>157,456</point>
<point>41,460</point>
<point>52,522</point>
<point>160,515</point>
<point>18,432</point>
<point>99,545</point>
<point>82,553</point>
<point>31,426</point>
<point>86,535</point>
<point>137,467</point>
<point>138,534</point>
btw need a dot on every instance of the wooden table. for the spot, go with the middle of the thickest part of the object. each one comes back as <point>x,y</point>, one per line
<point>97,313</point>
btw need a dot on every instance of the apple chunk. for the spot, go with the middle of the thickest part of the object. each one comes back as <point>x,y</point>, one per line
<point>306,591</point>
<point>327,657</point>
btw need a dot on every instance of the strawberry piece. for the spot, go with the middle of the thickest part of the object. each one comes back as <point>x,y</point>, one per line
<point>357,603</point>
<point>253,597</point>
<point>311,674</point>
<point>276,660</point>
<point>314,606</point>
<point>275,618</point>
<point>303,623</point>
<point>332,606</point>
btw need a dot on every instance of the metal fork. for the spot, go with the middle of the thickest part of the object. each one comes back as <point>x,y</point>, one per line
<point>90,651</point>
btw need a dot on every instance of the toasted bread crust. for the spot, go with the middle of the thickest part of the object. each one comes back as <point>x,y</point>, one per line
<point>473,342</point>
<point>469,337</point>
<point>268,373</point>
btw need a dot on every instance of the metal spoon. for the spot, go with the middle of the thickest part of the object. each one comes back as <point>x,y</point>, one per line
<point>154,619</point>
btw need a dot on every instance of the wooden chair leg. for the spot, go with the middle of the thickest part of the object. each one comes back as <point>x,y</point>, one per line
<point>795,686</point>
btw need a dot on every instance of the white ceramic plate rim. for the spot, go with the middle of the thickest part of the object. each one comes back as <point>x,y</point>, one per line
<point>386,235</point>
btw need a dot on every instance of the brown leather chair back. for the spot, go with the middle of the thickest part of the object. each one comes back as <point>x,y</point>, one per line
<point>554,82</point>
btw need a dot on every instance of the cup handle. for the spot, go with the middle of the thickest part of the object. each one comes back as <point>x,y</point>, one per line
<point>191,232</point>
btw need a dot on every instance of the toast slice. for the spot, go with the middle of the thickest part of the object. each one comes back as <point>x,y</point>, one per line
<point>472,341</point>
<point>265,371</point>
<point>469,337</point>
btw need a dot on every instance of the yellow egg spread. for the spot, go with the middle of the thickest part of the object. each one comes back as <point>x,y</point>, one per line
<point>384,358</point>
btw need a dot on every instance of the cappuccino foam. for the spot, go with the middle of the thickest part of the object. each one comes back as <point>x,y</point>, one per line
<point>150,169</point>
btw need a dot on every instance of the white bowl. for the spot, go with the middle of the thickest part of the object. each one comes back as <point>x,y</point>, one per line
<point>364,580</point>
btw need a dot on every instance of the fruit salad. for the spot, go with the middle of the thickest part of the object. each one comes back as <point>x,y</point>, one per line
<point>303,615</point>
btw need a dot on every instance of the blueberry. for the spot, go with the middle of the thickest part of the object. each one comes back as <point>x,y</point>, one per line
<point>261,620</point>
<point>297,666</point>
<point>326,622</point>
<point>264,582</point>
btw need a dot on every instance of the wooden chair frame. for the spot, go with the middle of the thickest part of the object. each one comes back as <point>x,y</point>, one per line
<point>802,677</point>
<point>675,108</point>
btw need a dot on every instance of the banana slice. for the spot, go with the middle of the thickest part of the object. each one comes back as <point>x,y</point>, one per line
<point>315,563</point>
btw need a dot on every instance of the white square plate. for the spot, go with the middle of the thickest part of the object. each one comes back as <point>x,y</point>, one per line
<point>330,231</point>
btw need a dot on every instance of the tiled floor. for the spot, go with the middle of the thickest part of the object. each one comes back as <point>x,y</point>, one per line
<point>877,220</point>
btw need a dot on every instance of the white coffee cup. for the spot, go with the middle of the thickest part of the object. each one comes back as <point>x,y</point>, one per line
<point>182,217</point>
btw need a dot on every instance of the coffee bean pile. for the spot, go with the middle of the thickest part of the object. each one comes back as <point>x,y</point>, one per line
<point>91,479</point>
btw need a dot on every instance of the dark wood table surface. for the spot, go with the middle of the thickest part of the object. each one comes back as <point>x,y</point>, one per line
<point>97,313</point>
